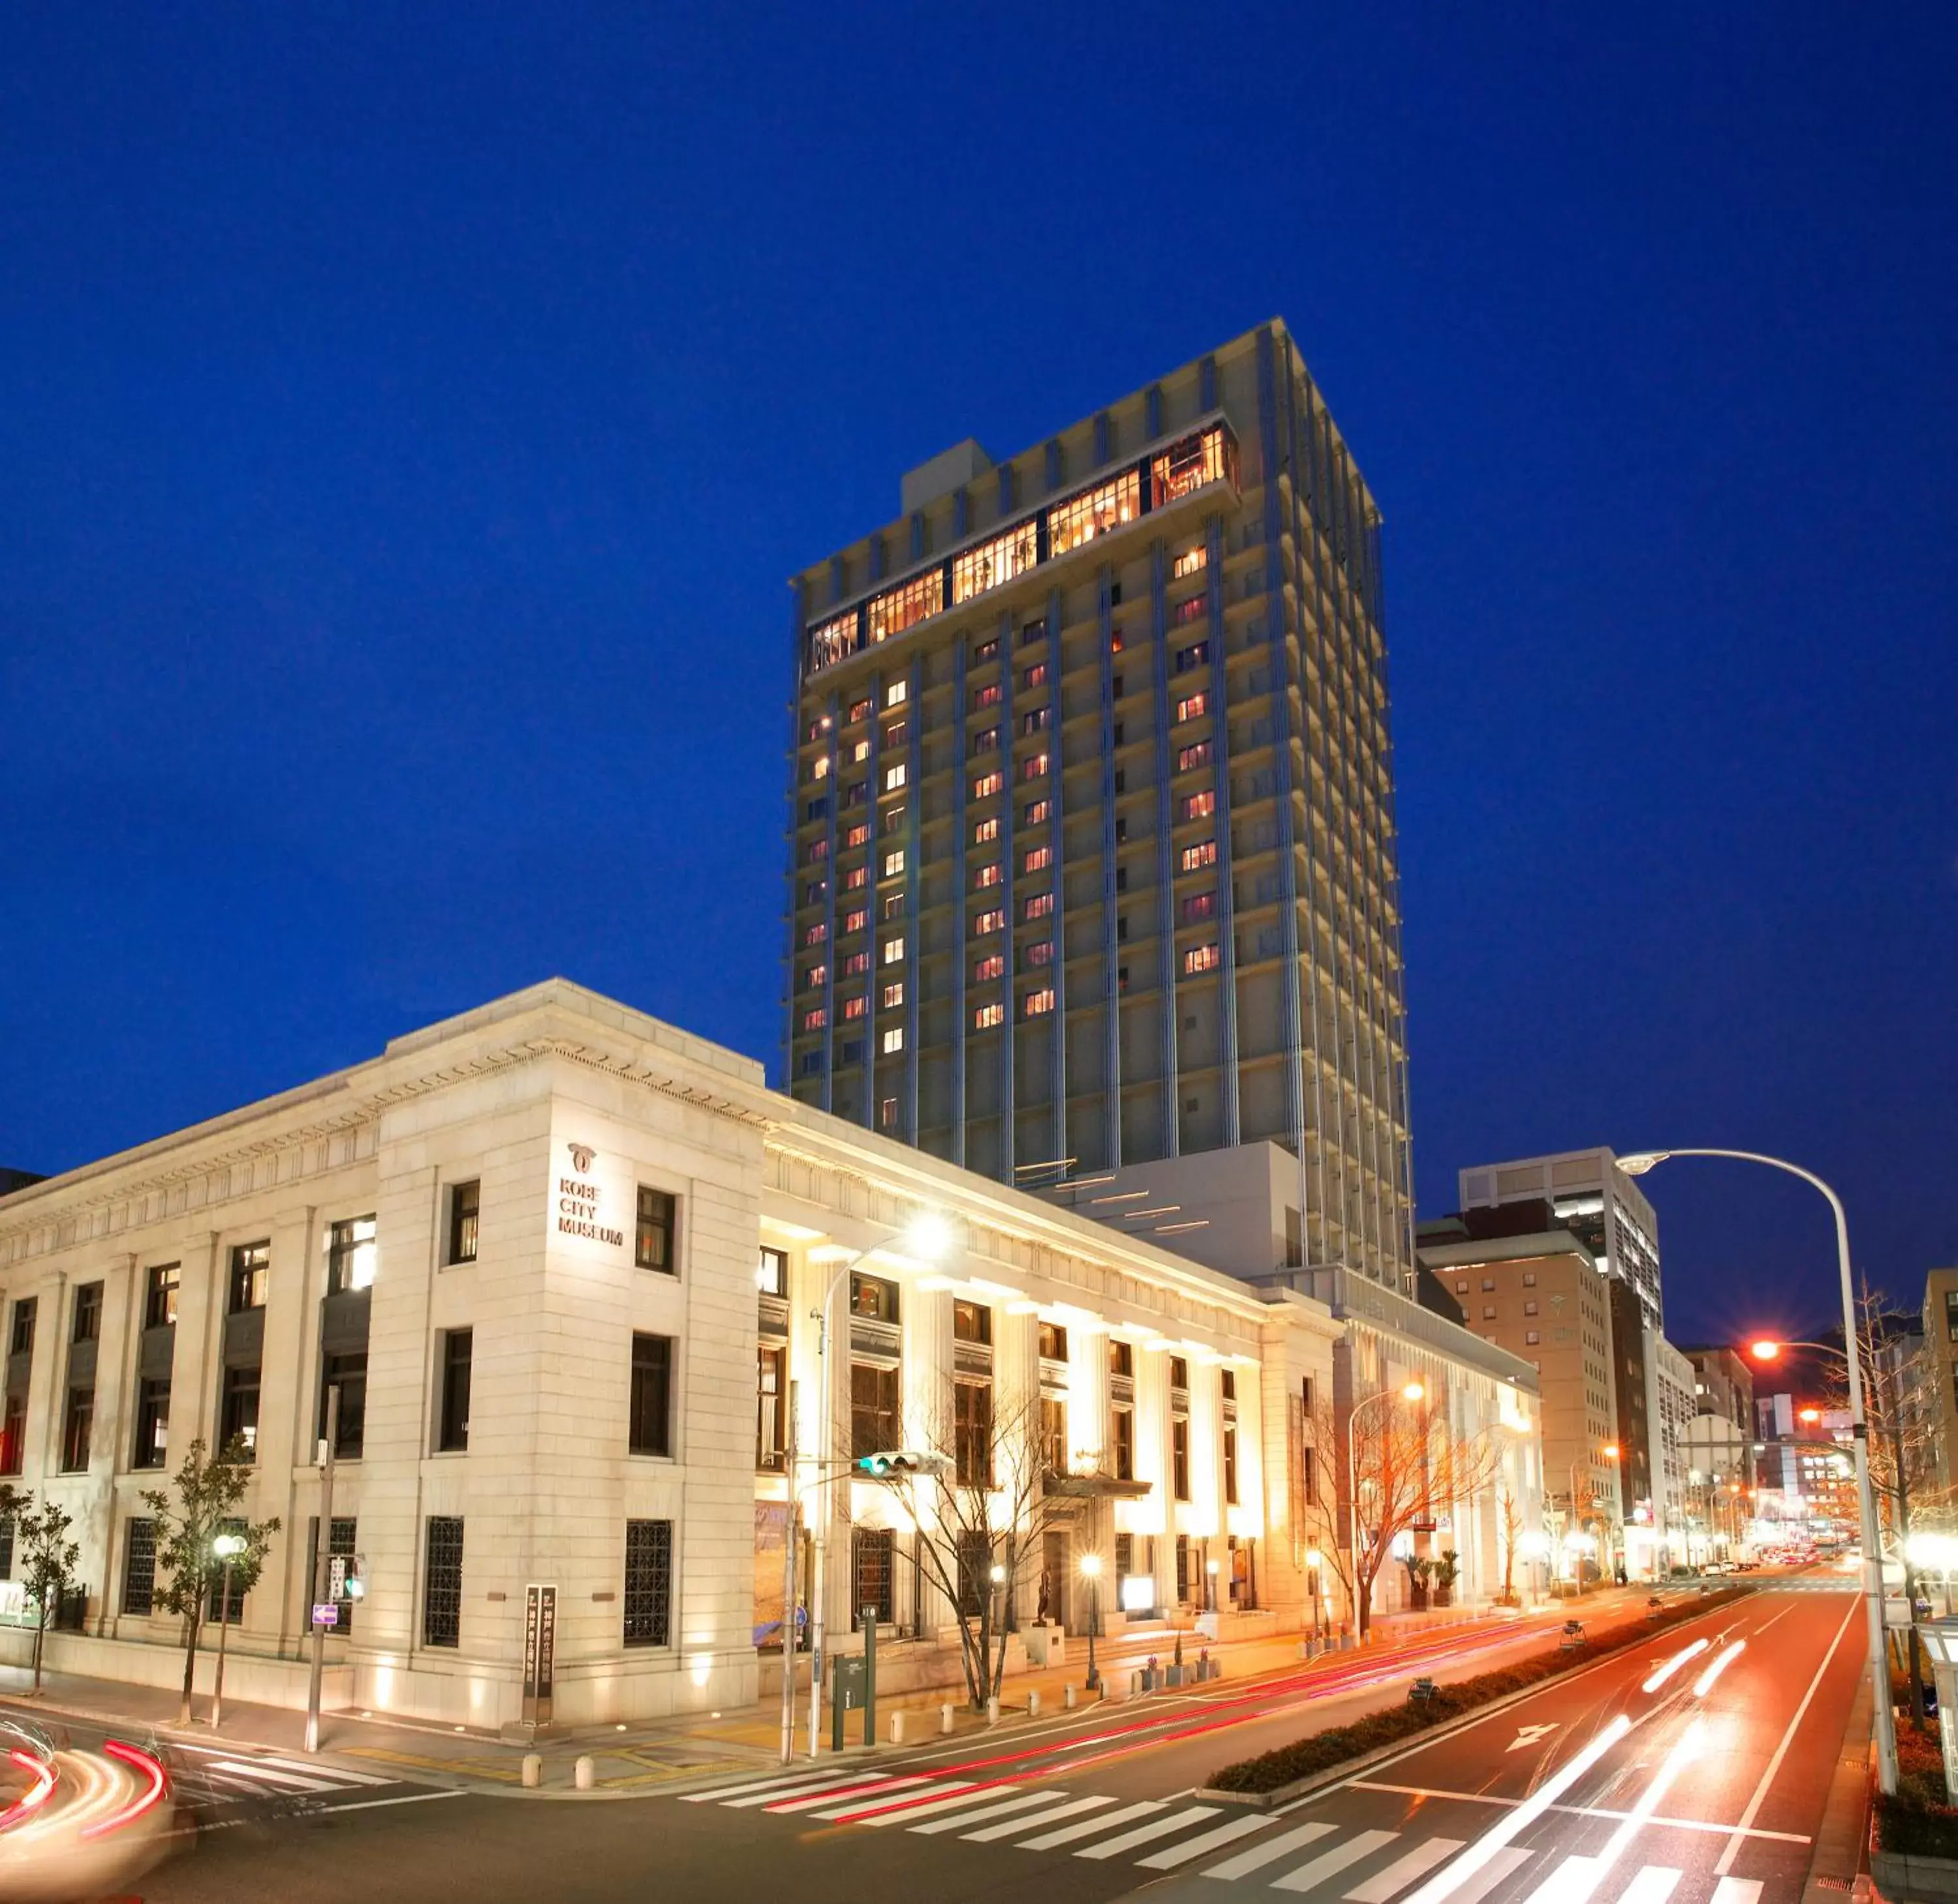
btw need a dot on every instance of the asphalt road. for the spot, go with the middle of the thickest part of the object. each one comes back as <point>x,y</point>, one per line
<point>1594,1790</point>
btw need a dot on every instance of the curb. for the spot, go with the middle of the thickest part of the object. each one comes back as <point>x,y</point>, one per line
<point>1346,1769</point>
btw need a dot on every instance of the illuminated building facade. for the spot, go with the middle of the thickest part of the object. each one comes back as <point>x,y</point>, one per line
<point>1093,857</point>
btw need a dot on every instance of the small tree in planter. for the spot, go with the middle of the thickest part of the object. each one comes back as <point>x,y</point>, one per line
<point>1419,1568</point>
<point>1447,1571</point>
<point>207,1490</point>
<point>44,1560</point>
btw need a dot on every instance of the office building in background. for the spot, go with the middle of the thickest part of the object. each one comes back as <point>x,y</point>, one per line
<point>1093,856</point>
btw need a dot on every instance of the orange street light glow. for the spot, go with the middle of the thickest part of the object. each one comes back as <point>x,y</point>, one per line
<point>1610,1450</point>
<point>1765,1351</point>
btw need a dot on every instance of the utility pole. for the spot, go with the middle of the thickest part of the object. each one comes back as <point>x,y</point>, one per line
<point>789,1586</point>
<point>321,1564</point>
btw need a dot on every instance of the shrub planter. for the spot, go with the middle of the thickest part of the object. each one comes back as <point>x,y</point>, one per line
<point>1898,1875</point>
<point>1276,1777</point>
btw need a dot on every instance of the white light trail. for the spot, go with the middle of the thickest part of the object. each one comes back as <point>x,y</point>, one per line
<point>1704,1683</point>
<point>1672,1664</point>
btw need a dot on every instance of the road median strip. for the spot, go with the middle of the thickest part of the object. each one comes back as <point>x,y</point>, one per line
<point>1289,1772</point>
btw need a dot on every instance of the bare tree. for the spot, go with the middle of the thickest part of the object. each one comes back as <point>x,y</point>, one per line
<point>1408,1465</point>
<point>1510,1526</point>
<point>980,1520</point>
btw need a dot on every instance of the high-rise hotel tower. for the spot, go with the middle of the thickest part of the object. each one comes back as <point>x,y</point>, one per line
<point>1093,858</point>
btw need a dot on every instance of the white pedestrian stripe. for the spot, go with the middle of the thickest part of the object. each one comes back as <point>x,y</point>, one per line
<point>1026,1800</point>
<point>1329,1864</point>
<point>1068,1833</point>
<point>873,1811</point>
<point>835,1781</point>
<point>1176,1855</point>
<point>1653,1885</point>
<point>1402,1872</point>
<point>1268,1853</point>
<point>1572,1882</point>
<point>1148,1833</point>
<point>1479,1882</point>
<point>862,1791</point>
<point>280,1781</point>
<point>1737,1890</point>
<point>722,1794</point>
<point>1006,1830</point>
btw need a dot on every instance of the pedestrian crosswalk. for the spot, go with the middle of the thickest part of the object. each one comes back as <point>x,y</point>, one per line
<point>1333,1864</point>
<point>212,1776</point>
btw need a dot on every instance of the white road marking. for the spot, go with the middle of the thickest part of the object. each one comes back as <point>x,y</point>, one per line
<point>875,1813</point>
<point>1725,1863</point>
<point>1310,1877</point>
<point>721,1794</point>
<point>1704,1684</point>
<point>1653,1885</point>
<point>1021,1803</point>
<point>1571,1883</point>
<point>1146,1834</point>
<point>1475,1888</point>
<point>1739,1890</point>
<point>863,1785</point>
<point>1223,1835</point>
<point>769,1794</point>
<point>1584,1811</point>
<point>408,1797</point>
<point>1529,1734</point>
<point>1402,1872</point>
<point>1672,1665</point>
<point>1048,1841</point>
<point>239,1769</point>
<point>1071,1809</point>
<point>1259,1855</point>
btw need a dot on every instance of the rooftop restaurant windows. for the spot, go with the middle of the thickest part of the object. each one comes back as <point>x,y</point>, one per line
<point>993,562</point>
<point>1094,512</point>
<point>1207,456</point>
<point>832,642</point>
<point>903,607</point>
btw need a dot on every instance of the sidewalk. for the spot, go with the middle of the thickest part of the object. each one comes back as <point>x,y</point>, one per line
<point>641,1758</point>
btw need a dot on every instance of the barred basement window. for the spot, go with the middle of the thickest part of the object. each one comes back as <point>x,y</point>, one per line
<point>872,1550</point>
<point>441,1590</point>
<point>139,1570</point>
<point>648,1582</point>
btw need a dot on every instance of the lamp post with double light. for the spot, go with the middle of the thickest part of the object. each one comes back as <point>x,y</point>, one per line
<point>1412,1392</point>
<point>1091,1571</point>
<point>225,1549</point>
<point>1636,1165</point>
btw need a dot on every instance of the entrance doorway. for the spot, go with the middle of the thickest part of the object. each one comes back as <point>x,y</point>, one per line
<point>1056,1547</point>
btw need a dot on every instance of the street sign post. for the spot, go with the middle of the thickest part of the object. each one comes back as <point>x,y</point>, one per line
<point>539,1646</point>
<point>326,1614</point>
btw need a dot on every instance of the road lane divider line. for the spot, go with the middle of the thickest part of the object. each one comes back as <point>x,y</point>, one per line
<point>1260,1856</point>
<point>407,1798</point>
<point>1704,1684</point>
<point>1725,1863</point>
<point>1582,1877</point>
<point>1447,1880</point>
<point>1712,1825</point>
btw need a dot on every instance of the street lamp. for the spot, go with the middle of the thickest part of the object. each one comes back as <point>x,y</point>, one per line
<point>1091,1571</point>
<point>1210,1572</point>
<point>1637,1165</point>
<point>226,1549</point>
<point>929,1237</point>
<point>1314,1560</point>
<point>1413,1392</point>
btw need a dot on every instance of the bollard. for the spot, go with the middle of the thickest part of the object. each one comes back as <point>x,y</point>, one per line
<point>533,1771</point>
<point>1067,1698</point>
<point>1033,1704</point>
<point>992,1712</point>
<point>944,1717</point>
<point>581,1775</point>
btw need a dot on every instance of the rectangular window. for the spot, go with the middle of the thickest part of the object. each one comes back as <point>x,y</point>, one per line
<point>1195,858</point>
<point>859,710</point>
<point>984,1017</point>
<point>1038,952</point>
<point>814,851</point>
<point>893,1040</point>
<point>139,1570</point>
<point>874,1426</point>
<point>650,1424</point>
<point>815,1020</point>
<point>348,1373</point>
<point>1192,707</point>
<point>86,1326</point>
<point>1189,610</point>
<point>1035,676</point>
<point>1036,812</point>
<point>1033,767</point>
<point>648,1602</point>
<point>894,862</point>
<point>856,919</point>
<point>892,995</point>
<point>895,776</point>
<point>152,1422</point>
<point>770,1400</point>
<point>896,693</point>
<point>238,1412</point>
<point>984,922</point>
<point>857,835</point>
<point>1037,905</point>
<point>1037,1005</point>
<point>1036,720</point>
<point>1230,1467</point>
<point>993,562</point>
<point>771,1272</point>
<point>1178,1456</point>
<point>830,643</point>
<point>1201,958</point>
<point>653,1235</point>
<point>856,965</point>
<point>972,1322</point>
<point>1052,1341</point>
<point>986,785</point>
<point>452,1429</point>
<point>1197,806</point>
<point>972,1434</point>
<point>77,1425</point>
<point>1037,859</point>
<point>986,875</point>
<point>814,891</point>
<point>1198,907</point>
<point>874,1298</point>
<point>22,1341</point>
<point>1190,758</point>
<point>1188,562</point>
<point>351,1252</point>
<point>1197,655</point>
<point>1094,512</point>
<point>986,650</point>
<point>894,951</point>
<point>871,1550</point>
<point>853,1008</point>
<point>160,1303</point>
<point>902,608</point>
<point>986,694</point>
<point>1122,1359</point>
<point>986,741</point>
<point>815,933</point>
<point>985,831</point>
<point>1122,1422</point>
<point>441,1590</point>
<point>814,979</point>
<point>993,966</point>
<point>465,1202</point>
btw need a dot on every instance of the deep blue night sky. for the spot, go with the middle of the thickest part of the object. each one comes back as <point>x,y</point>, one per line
<point>407,425</point>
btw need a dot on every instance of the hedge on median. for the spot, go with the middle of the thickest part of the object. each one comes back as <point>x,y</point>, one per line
<point>1920,1820</point>
<point>1319,1751</point>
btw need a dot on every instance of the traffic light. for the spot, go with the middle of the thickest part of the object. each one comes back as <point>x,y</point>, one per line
<point>894,1464</point>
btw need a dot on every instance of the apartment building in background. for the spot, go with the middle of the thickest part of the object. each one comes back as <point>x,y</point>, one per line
<point>1591,1197</point>
<point>1093,857</point>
